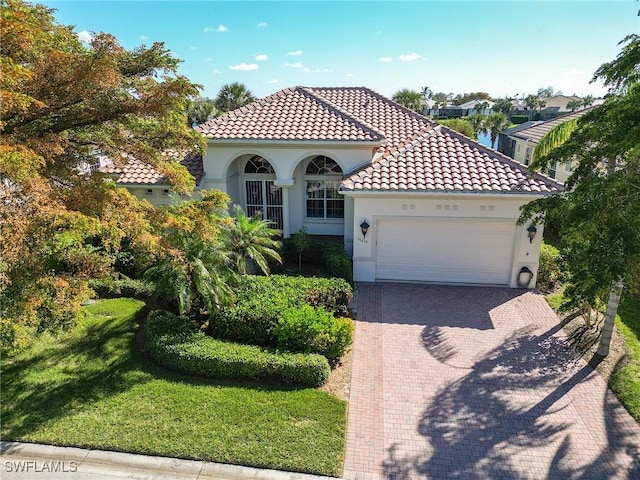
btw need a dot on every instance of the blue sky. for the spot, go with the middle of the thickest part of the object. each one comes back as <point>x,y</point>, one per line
<point>504,48</point>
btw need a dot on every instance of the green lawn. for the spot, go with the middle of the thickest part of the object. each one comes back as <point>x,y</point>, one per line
<point>626,382</point>
<point>92,389</point>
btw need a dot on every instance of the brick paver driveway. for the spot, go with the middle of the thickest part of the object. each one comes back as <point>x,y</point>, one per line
<point>477,383</point>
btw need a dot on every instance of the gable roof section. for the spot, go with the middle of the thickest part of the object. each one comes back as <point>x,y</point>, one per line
<point>446,161</point>
<point>290,114</point>
<point>135,172</point>
<point>536,132</point>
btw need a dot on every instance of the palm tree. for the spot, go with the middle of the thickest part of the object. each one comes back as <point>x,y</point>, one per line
<point>574,104</point>
<point>587,101</point>
<point>496,123</point>
<point>482,106</point>
<point>478,123</point>
<point>532,102</point>
<point>408,98</point>
<point>232,96</point>
<point>191,271</point>
<point>251,238</point>
<point>200,111</point>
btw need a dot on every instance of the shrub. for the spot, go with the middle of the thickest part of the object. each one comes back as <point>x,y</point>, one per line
<point>261,300</point>
<point>518,119</point>
<point>335,261</point>
<point>179,344</point>
<point>122,287</point>
<point>314,330</point>
<point>549,271</point>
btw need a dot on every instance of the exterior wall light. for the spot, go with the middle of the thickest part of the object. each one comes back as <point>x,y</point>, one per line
<point>364,226</point>
<point>531,232</point>
<point>524,277</point>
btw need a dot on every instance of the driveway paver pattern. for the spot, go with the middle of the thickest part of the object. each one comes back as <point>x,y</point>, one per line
<point>476,383</point>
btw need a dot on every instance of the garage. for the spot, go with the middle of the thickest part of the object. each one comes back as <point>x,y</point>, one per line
<point>446,250</point>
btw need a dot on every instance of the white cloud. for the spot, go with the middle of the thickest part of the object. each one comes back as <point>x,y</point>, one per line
<point>245,67</point>
<point>209,59</point>
<point>193,48</point>
<point>219,28</point>
<point>409,57</point>
<point>216,71</point>
<point>262,24</point>
<point>295,53</point>
<point>144,38</point>
<point>386,59</point>
<point>327,70</point>
<point>294,65</point>
<point>274,80</point>
<point>349,75</point>
<point>262,57</point>
<point>84,36</point>
<point>309,70</point>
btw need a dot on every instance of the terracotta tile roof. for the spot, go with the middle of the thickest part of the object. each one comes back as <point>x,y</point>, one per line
<point>443,160</point>
<point>290,114</point>
<point>536,132</point>
<point>137,172</point>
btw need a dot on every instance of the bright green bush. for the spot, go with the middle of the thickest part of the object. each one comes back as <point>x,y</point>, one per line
<point>178,343</point>
<point>261,300</point>
<point>549,268</point>
<point>122,287</point>
<point>314,330</point>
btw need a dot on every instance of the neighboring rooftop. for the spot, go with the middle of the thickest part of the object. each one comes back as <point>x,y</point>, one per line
<point>540,129</point>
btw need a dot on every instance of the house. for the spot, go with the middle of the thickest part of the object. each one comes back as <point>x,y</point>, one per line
<point>520,142</point>
<point>476,107</point>
<point>413,200</point>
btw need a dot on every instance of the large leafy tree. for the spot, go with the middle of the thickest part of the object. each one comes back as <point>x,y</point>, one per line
<point>408,98</point>
<point>64,104</point>
<point>467,97</point>
<point>599,207</point>
<point>232,96</point>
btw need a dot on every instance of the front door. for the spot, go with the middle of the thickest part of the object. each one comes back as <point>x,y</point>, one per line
<point>265,197</point>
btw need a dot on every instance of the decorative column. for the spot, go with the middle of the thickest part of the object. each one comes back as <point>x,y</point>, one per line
<point>285,184</point>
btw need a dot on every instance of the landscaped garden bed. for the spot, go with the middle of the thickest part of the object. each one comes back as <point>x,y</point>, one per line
<point>91,388</point>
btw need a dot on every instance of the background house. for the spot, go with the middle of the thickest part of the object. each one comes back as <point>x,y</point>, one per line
<point>437,206</point>
<point>520,142</point>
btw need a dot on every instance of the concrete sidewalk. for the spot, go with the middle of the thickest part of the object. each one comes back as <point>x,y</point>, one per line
<point>35,461</point>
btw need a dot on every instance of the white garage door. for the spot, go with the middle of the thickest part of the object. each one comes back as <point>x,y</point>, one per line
<point>445,250</point>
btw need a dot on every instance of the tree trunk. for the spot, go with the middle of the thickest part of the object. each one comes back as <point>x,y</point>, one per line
<point>610,319</point>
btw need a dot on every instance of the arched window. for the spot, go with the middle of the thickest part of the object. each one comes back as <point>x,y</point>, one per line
<point>323,176</point>
<point>257,164</point>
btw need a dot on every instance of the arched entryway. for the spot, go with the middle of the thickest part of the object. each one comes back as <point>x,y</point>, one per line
<point>260,192</point>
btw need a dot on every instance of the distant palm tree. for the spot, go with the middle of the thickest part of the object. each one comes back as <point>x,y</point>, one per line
<point>496,123</point>
<point>479,124</point>
<point>251,238</point>
<point>200,111</point>
<point>574,104</point>
<point>232,96</point>
<point>408,98</point>
<point>587,101</point>
<point>531,102</point>
<point>481,106</point>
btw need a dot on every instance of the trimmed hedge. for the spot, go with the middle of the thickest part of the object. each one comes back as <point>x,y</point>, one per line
<point>549,269</point>
<point>122,287</point>
<point>314,330</point>
<point>518,119</point>
<point>260,302</point>
<point>179,344</point>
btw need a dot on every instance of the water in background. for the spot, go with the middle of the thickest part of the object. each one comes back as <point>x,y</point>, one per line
<point>485,139</point>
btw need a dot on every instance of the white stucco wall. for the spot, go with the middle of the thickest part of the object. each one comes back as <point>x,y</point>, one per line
<point>157,196</point>
<point>372,207</point>
<point>221,172</point>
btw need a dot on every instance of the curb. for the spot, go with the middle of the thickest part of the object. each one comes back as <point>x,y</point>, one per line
<point>132,465</point>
